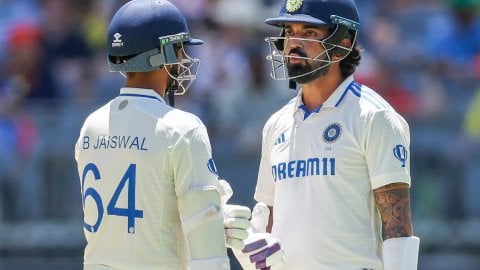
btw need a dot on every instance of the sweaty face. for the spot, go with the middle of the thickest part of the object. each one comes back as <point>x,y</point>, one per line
<point>303,52</point>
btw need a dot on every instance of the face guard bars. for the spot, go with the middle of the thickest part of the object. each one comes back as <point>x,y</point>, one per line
<point>278,59</point>
<point>183,69</point>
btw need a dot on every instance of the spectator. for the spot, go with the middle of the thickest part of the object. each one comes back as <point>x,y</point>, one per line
<point>453,41</point>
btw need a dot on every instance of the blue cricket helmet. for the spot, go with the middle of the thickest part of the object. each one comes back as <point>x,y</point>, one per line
<point>147,29</point>
<point>328,13</point>
<point>339,16</point>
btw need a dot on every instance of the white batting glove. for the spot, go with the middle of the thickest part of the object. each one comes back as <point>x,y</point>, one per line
<point>236,222</point>
<point>235,218</point>
<point>262,250</point>
<point>260,215</point>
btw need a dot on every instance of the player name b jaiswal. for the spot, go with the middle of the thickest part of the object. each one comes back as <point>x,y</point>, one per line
<point>115,142</point>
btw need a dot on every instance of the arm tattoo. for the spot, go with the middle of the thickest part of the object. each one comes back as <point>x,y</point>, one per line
<point>393,202</point>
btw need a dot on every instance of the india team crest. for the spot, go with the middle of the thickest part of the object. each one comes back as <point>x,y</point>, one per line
<point>293,5</point>
<point>332,133</point>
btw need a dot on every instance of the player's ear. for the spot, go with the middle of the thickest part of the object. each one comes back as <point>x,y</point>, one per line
<point>346,43</point>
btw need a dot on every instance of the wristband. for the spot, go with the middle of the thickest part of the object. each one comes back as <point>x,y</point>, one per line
<point>401,253</point>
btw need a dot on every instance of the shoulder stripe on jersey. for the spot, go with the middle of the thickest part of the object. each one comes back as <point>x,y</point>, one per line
<point>353,87</point>
<point>367,94</point>
<point>376,100</point>
<point>356,87</point>
<point>138,95</point>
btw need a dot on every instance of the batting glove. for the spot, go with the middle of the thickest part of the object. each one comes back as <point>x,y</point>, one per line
<point>235,218</point>
<point>236,222</point>
<point>262,250</point>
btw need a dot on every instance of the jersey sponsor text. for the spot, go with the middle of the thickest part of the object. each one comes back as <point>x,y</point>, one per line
<point>303,167</point>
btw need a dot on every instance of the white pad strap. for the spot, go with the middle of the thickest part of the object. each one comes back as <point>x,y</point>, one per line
<point>199,206</point>
<point>401,253</point>
<point>220,263</point>
<point>200,218</point>
<point>202,224</point>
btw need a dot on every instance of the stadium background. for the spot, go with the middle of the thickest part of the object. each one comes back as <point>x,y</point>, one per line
<point>422,55</point>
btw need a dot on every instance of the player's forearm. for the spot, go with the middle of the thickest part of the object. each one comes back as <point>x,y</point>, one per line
<point>400,248</point>
<point>270,220</point>
<point>393,202</point>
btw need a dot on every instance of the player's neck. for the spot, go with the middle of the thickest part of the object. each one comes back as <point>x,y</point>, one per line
<point>154,80</point>
<point>318,91</point>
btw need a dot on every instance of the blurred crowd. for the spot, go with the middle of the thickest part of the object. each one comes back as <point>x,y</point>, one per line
<point>421,55</point>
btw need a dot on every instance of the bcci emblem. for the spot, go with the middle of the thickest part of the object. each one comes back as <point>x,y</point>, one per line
<point>294,5</point>
<point>400,153</point>
<point>332,133</point>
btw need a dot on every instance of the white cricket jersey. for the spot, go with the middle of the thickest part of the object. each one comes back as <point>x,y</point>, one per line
<point>318,170</point>
<point>135,155</point>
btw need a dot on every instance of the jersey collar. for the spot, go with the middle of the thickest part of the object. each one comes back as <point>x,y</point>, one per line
<point>335,98</point>
<point>140,93</point>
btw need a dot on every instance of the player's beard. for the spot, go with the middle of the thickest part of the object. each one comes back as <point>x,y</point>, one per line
<point>306,71</point>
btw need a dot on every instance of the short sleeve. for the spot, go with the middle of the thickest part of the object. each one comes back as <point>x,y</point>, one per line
<point>192,162</point>
<point>388,149</point>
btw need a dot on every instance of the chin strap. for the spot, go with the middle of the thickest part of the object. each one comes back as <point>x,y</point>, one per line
<point>292,85</point>
<point>171,95</point>
<point>172,89</point>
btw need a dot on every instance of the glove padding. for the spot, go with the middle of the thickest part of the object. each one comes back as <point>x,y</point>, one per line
<point>262,250</point>
<point>235,218</point>
<point>236,223</point>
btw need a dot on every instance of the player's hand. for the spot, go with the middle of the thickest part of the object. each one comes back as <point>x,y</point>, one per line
<point>235,218</point>
<point>262,250</point>
<point>236,222</point>
<point>260,215</point>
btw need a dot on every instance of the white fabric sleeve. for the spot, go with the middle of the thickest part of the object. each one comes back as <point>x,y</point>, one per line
<point>387,149</point>
<point>192,163</point>
<point>401,253</point>
<point>199,204</point>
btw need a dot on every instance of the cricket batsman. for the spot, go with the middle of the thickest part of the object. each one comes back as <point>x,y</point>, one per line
<point>335,161</point>
<point>150,190</point>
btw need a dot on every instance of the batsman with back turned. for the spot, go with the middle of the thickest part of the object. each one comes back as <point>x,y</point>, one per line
<point>150,189</point>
